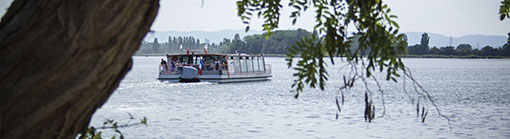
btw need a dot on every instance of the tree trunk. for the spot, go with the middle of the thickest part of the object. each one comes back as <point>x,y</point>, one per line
<point>60,60</point>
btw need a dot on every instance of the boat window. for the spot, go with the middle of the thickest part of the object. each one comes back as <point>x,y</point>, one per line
<point>261,64</point>
<point>184,60</point>
<point>253,68</point>
<point>242,64</point>
<point>196,60</point>
<point>230,62</point>
<point>249,65</point>
<point>256,64</point>
<point>190,59</point>
<point>237,67</point>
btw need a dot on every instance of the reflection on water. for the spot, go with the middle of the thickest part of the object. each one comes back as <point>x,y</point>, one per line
<point>472,92</point>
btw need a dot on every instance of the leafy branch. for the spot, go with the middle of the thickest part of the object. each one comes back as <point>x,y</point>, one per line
<point>425,94</point>
<point>93,133</point>
<point>377,36</point>
<point>376,45</point>
<point>504,10</point>
<point>268,9</point>
<point>356,74</point>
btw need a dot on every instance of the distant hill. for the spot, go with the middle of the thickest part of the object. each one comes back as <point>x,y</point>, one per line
<point>439,40</point>
<point>476,41</point>
<point>204,36</point>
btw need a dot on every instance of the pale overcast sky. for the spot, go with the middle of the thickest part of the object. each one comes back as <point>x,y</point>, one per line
<point>448,17</point>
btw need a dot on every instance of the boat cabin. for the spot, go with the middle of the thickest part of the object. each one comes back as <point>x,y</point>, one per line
<point>205,67</point>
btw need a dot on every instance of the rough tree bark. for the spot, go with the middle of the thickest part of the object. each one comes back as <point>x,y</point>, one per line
<point>60,60</point>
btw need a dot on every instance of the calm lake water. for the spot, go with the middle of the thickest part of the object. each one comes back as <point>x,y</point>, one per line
<point>474,93</point>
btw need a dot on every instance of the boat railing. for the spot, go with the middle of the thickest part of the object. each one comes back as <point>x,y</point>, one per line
<point>258,72</point>
<point>206,70</point>
<point>214,72</point>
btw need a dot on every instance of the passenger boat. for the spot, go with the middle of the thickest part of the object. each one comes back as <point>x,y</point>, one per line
<point>218,68</point>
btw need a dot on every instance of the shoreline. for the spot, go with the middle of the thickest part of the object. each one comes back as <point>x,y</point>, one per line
<point>453,56</point>
<point>404,56</point>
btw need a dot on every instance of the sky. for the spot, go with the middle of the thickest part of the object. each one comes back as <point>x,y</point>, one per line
<point>448,17</point>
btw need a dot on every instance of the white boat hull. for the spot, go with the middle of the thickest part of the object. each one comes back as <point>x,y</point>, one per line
<point>215,78</point>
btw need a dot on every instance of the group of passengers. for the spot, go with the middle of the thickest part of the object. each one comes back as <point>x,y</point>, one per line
<point>208,64</point>
<point>164,67</point>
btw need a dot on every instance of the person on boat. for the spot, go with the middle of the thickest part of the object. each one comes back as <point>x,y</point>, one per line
<point>179,61</point>
<point>172,64</point>
<point>163,65</point>
<point>163,62</point>
<point>217,64</point>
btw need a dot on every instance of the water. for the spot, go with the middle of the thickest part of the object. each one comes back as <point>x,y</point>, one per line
<point>473,93</point>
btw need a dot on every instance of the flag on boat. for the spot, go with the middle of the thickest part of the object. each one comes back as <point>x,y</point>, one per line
<point>200,67</point>
<point>180,46</point>
<point>206,46</point>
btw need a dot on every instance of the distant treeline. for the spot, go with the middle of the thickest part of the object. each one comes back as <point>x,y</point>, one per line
<point>171,46</point>
<point>281,40</point>
<point>460,50</point>
<point>278,43</point>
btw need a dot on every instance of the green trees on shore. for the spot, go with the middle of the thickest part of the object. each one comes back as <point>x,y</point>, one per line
<point>460,50</point>
<point>278,43</point>
<point>171,46</point>
<point>282,40</point>
<point>423,47</point>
